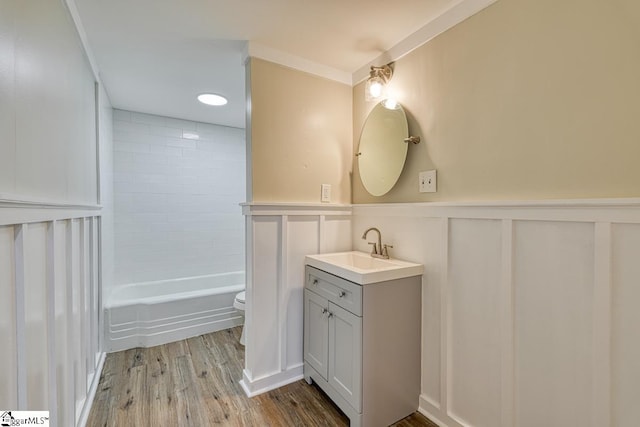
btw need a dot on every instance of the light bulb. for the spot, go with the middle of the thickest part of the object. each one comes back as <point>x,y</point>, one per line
<point>390,104</point>
<point>375,89</point>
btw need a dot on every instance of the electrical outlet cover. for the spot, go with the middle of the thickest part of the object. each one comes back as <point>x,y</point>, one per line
<point>427,181</point>
<point>326,193</point>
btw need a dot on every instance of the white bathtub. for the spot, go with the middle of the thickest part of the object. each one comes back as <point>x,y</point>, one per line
<point>153,313</point>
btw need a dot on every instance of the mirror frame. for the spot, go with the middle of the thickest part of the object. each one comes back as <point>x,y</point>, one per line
<point>382,149</point>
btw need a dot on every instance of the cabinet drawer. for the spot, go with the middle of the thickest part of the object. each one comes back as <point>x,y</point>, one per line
<point>343,293</point>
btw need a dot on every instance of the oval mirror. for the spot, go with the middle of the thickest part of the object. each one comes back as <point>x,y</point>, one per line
<point>382,150</point>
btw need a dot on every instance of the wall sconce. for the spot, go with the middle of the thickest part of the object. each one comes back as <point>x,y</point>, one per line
<point>378,79</point>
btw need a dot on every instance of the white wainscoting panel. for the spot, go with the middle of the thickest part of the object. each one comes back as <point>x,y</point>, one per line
<point>278,238</point>
<point>530,309</point>
<point>265,316</point>
<point>473,305</point>
<point>35,239</point>
<point>553,287</point>
<point>336,231</point>
<point>64,358</point>
<point>48,275</point>
<point>302,238</point>
<point>93,305</point>
<point>8,359</point>
<point>625,322</point>
<point>433,234</point>
<point>75,268</point>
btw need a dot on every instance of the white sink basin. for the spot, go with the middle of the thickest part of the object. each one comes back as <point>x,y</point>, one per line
<point>362,268</point>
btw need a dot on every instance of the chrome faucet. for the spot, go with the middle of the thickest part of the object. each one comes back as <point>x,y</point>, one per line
<point>378,250</point>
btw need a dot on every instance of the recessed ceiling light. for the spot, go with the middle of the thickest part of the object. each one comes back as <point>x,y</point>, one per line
<point>212,99</point>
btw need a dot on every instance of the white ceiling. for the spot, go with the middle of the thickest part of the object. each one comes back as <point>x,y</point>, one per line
<point>156,56</point>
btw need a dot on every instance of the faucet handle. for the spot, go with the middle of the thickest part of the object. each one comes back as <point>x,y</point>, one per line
<point>385,250</point>
<point>374,249</point>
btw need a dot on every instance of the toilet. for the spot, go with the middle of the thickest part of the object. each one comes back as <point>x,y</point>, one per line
<point>238,304</point>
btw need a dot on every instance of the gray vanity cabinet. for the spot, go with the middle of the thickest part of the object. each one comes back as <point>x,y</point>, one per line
<point>362,345</point>
<point>316,332</point>
<point>333,337</point>
<point>345,355</point>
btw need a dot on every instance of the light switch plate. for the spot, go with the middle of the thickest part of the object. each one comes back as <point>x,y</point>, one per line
<point>326,193</point>
<point>427,181</point>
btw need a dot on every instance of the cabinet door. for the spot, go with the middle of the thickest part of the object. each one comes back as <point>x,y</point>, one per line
<point>316,332</point>
<point>345,355</point>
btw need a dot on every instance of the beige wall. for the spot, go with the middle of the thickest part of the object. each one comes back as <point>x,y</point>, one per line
<point>300,135</point>
<point>529,99</point>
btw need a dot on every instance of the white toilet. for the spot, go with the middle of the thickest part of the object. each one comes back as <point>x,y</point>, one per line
<point>238,304</point>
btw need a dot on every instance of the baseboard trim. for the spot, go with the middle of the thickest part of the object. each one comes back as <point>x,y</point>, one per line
<point>267,383</point>
<point>88,402</point>
<point>430,415</point>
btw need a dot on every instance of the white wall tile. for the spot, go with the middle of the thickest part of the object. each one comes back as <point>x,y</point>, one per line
<point>131,147</point>
<point>180,142</point>
<point>165,131</point>
<point>176,199</point>
<point>120,135</point>
<point>121,115</point>
<point>130,187</point>
<point>150,158</point>
<point>208,128</point>
<point>170,151</point>
<point>132,127</point>
<point>122,157</point>
<point>148,119</point>
<point>181,124</point>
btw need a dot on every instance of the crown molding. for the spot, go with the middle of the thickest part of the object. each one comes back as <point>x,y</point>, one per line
<point>256,50</point>
<point>457,13</point>
<point>451,17</point>
<point>82,34</point>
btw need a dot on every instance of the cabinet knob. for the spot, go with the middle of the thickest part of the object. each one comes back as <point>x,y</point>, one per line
<point>315,281</point>
<point>330,314</point>
<point>324,311</point>
<point>342,294</point>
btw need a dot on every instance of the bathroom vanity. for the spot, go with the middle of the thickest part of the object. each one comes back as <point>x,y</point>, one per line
<point>362,334</point>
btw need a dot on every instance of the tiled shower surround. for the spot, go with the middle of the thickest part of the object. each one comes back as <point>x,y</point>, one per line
<point>177,189</point>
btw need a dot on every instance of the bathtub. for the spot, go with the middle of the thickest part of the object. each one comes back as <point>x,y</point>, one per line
<point>153,313</point>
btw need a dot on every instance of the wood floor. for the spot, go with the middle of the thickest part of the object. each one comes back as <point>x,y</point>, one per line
<point>195,383</point>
